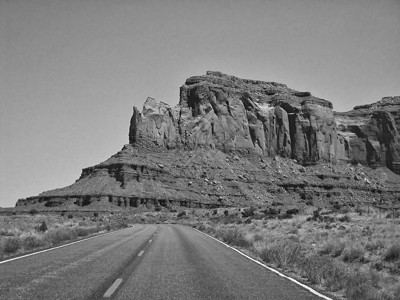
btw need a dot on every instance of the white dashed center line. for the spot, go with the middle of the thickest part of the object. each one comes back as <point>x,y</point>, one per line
<point>112,288</point>
<point>150,241</point>
<point>141,253</point>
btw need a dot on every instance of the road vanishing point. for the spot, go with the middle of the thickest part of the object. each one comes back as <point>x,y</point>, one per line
<point>145,262</point>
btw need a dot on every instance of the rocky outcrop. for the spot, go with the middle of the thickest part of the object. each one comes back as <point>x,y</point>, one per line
<point>233,142</point>
<point>371,133</point>
<point>232,114</point>
<point>219,111</point>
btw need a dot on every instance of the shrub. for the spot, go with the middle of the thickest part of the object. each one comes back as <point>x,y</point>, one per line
<point>12,245</point>
<point>95,214</point>
<point>318,269</point>
<point>335,276</point>
<point>353,253</point>
<point>70,216</point>
<point>270,211</point>
<point>344,218</point>
<point>397,292</point>
<point>310,202</point>
<point>233,236</point>
<point>33,211</point>
<point>59,235</point>
<point>79,231</point>
<point>31,242</point>
<point>393,253</point>
<point>285,216</point>
<point>293,211</point>
<point>42,227</point>
<point>201,227</point>
<point>258,237</point>
<point>248,212</point>
<point>333,248</point>
<point>282,254</point>
<point>361,292</point>
<point>181,214</point>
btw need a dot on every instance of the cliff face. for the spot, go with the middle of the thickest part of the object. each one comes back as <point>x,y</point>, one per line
<point>232,114</point>
<point>371,133</point>
<point>232,141</point>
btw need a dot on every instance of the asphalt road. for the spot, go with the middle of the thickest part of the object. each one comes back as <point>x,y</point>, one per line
<point>144,262</point>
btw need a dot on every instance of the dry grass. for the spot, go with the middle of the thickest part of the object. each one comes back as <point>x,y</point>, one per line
<point>23,233</point>
<point>353,256</point>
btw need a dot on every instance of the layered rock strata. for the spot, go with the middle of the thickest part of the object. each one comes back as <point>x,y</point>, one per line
<point>371,133</point>
<point>218,111</point>
<point>232,114</point>
<point>234,141</point>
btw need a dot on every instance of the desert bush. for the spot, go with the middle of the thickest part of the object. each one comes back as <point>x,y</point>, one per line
<point>181,214</point>
<point>79,231</point>
<point>59,235</point>
<point>282,254</point>
<point>375,245</point>
<point>293,211</point>
<point>392,253</point>
<point>11,245</point>
<point>233,236</point>
<point>310,202</point>
<point>353,253</point>
<point>335,276</point>
<point>70,216</point>
<point>319,269</point>
<point>33,211</point>
<point>344,218</point>
<point>32,242</point>
<point>363,291</point>
<point>333,248</point>
<point>258,237</point>
<point>95,214</point>
<point>201,227</point>
<point>312,267</point>
<point>210,230</point>
<point>285,216</point>
<point>396,292</point>
<point>42,227</point>
<point>248,212</point>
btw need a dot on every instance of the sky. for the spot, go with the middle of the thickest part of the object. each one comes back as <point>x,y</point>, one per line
<point>71,70</point>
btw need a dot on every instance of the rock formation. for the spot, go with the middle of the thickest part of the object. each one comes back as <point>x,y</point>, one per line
<point>371,133</point>
<point>232,141</point>
<point>232,114</point>
<point>218,111</point>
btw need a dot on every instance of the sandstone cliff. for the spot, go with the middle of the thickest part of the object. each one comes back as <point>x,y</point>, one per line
<point>232,114</point>
<point>232,141</point>
<point>371,133</point>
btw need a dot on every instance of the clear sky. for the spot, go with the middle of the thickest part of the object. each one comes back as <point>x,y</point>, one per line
<point>71,70</point>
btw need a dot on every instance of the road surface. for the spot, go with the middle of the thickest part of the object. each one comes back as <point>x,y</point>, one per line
<point>144,262</point>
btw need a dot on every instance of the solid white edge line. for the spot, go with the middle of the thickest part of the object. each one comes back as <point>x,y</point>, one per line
<point>269,268</point>
<point>141,253</point>
<point>112,288</point>
<point>62,246</point>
